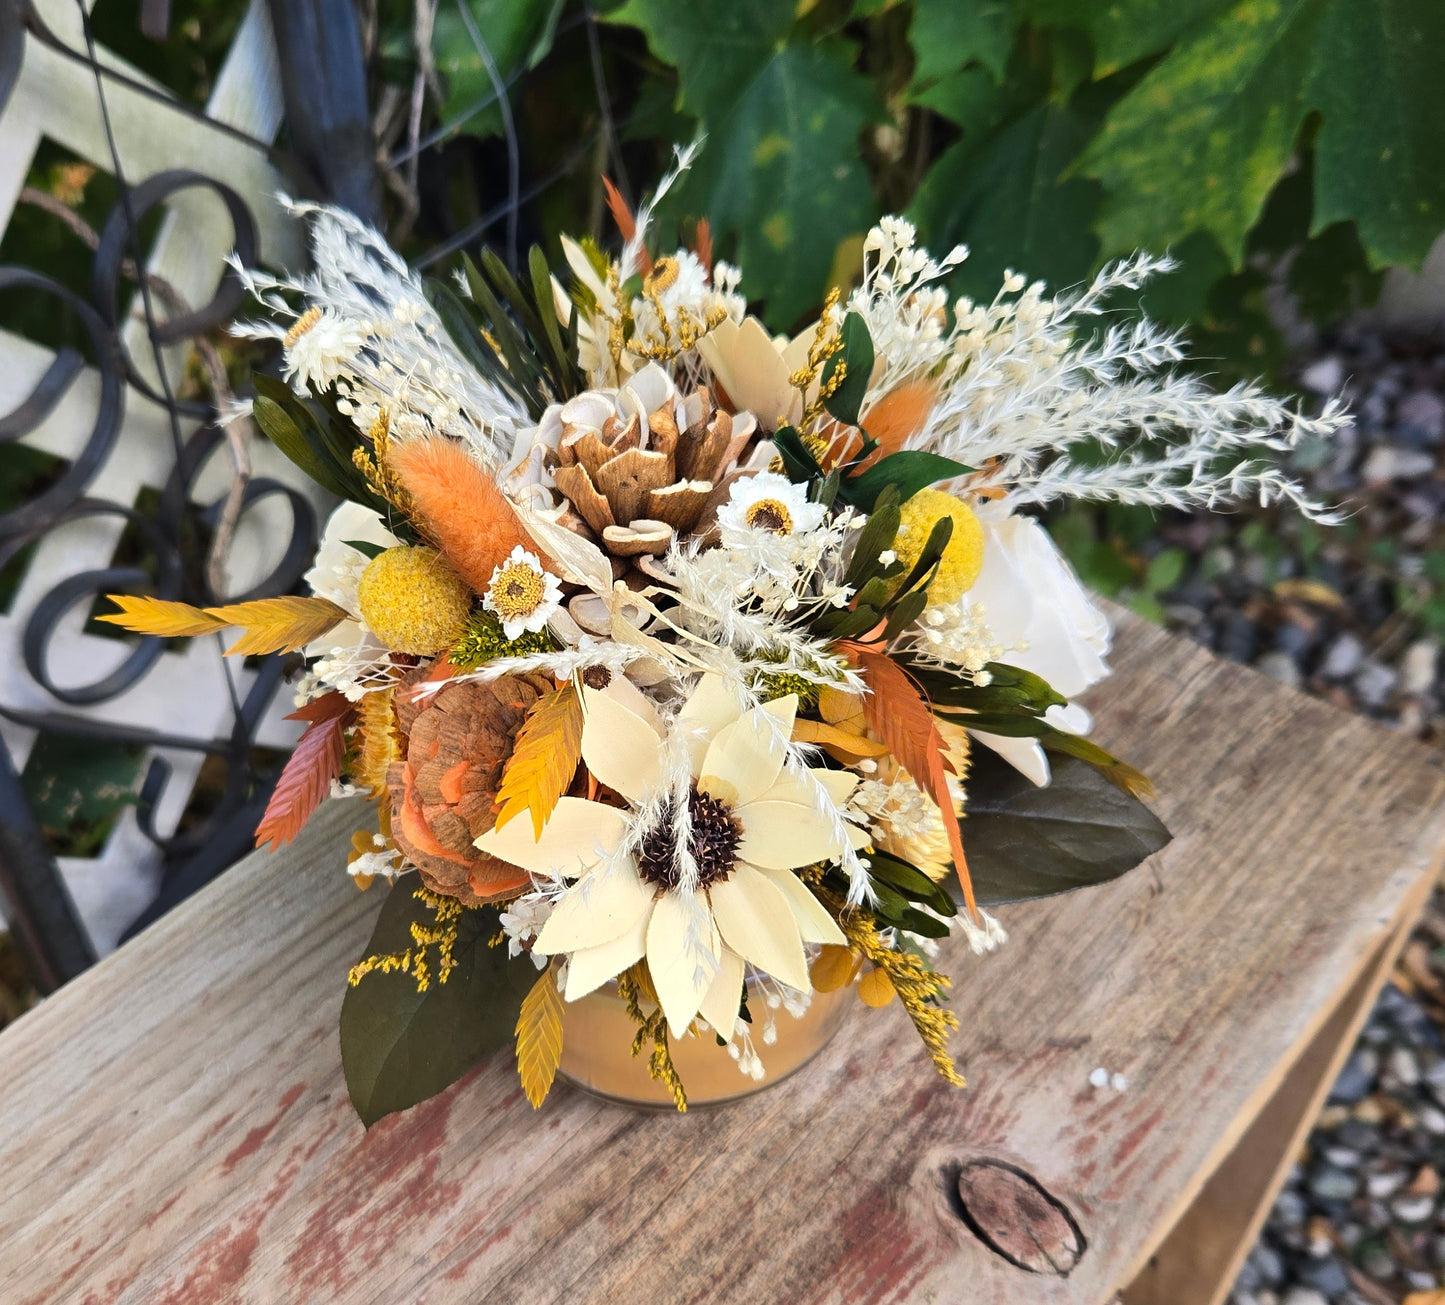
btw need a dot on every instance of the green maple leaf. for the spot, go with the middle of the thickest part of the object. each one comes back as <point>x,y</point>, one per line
<point>1199,143</point>
<point>781,179</point>
<point>1006,201</point>
<point>946,35</point>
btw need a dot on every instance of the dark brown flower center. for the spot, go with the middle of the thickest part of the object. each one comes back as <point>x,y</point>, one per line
<point>713,842</point>
<point>597,677</point>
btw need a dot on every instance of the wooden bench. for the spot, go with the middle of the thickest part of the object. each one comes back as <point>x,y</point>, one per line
<point>174,1126</point>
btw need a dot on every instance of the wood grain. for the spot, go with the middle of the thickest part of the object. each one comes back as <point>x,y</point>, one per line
<point>175,1127</point>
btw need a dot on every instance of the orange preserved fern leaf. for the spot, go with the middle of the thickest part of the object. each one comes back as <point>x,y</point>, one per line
<point>898,711</point>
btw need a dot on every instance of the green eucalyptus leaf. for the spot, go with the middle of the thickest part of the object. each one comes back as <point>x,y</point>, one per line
<point>856,358</point>
<point>1025,842</point>
<point>400,1046</point>
<point>877,535</point>
<point>907,471</point>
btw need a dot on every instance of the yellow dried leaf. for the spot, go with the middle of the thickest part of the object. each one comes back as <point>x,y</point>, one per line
<point>841,707</point>
<point>549,746</point>
<point>876,989</point>
<point>278,624</point>
<point>838,744</point>
<point>539,1038</point>
<point>161,616</point>
<point>377,742</point>
<point>834,968</point>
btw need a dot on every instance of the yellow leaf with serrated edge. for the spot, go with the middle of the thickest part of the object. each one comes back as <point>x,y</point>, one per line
<point>549,746</point>
<point>161,616</point>
<point>271,624</point>
<point>539,1038</point>
<point>275,625</point>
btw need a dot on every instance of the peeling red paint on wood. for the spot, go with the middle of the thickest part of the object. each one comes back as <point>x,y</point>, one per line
<point>253,1140</point>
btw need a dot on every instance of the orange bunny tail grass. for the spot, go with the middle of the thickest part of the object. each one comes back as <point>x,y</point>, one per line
<point>459,507</point>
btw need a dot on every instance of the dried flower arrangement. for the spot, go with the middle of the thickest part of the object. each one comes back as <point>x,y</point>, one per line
<point>685,659</point>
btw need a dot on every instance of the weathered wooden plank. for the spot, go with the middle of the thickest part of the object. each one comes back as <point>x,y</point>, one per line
<point>178,1128</point>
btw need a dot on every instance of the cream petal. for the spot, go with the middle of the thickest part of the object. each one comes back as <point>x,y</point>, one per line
<point>710,707</point>
<point>756,922</point>
<point>815,925</point>
<point>590,967</point>
<point>785,835</point>
<point>577,835</point>
<point>792,788</point>
<point>745,758</point>
<point>1025,755</point>
<point>596,910</point>
<point>681,969</point>
<point>720,1007</point>
<point>618,745</point>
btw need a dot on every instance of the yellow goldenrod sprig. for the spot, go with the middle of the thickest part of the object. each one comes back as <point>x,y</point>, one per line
<point>631,987</point>
<point>372,463</point>
<point>416,960</point>
<point>919,988</point>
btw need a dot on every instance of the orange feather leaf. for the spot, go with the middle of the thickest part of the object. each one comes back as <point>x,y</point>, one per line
<point>306,779</point>
<point>540,769</point>
<point>899,712</point>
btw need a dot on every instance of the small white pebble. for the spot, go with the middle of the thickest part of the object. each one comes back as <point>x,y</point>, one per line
<point>1099,1078</point>
<point>1118,1082</point>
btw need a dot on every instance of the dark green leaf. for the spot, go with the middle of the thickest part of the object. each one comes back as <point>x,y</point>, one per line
<point>551,329</point>
<point>910,881</point>
<point>908,471</point>
<point>856,356</point>
<point>1004,195</point>
<point>400,1046</point>
<point>947,34</point>
<point>926,926</point>
<point>284,433</point>
<point>365,546</point>
<point>904,612</point>
<point>928,558</point>
<point>1025,842</point>
<point>877,535</point>
<point>798,460</point>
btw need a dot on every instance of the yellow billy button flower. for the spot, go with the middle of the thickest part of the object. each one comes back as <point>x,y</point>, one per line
<point>962,557</point>
<point>413,601</point>
<point>522,595</point>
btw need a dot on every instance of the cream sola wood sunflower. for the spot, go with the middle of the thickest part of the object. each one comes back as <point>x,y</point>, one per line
<point>697,874</point>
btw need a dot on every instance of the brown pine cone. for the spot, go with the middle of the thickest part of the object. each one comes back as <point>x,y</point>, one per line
<point>457,742</point>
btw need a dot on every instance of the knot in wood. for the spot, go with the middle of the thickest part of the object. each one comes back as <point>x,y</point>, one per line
<point>1018,1219</point>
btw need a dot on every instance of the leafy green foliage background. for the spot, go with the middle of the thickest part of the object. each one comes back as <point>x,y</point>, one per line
<point>1293,140</point>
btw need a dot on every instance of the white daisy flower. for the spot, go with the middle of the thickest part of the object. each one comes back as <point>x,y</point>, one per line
<point>522,594</point>
<point>767,502</point>
<point>752,824</point>
<point>320,347</point>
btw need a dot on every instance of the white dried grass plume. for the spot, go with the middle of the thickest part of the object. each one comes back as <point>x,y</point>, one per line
<point>1025,379</point>
<point>364,326</point>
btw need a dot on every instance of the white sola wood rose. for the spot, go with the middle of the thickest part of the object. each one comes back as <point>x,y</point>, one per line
<point>1030,599</point>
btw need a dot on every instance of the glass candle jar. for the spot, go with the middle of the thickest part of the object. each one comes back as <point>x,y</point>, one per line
<point>597,1035</point>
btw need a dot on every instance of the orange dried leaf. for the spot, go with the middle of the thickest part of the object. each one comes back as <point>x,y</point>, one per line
<point>898,711</point>
<point>539,1038</point>
<point>549,746</point>
<point>617,206</point>
<point>275,625</point>
<point>161,616</point>
<point>305,781</point>
<point>876,989</point>
<point>702,245</point>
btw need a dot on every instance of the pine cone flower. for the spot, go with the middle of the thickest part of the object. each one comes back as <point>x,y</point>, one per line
<point>644,465</point>
<point>457,742</point>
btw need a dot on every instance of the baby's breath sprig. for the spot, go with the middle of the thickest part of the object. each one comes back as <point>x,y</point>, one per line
<point>416,960</point>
